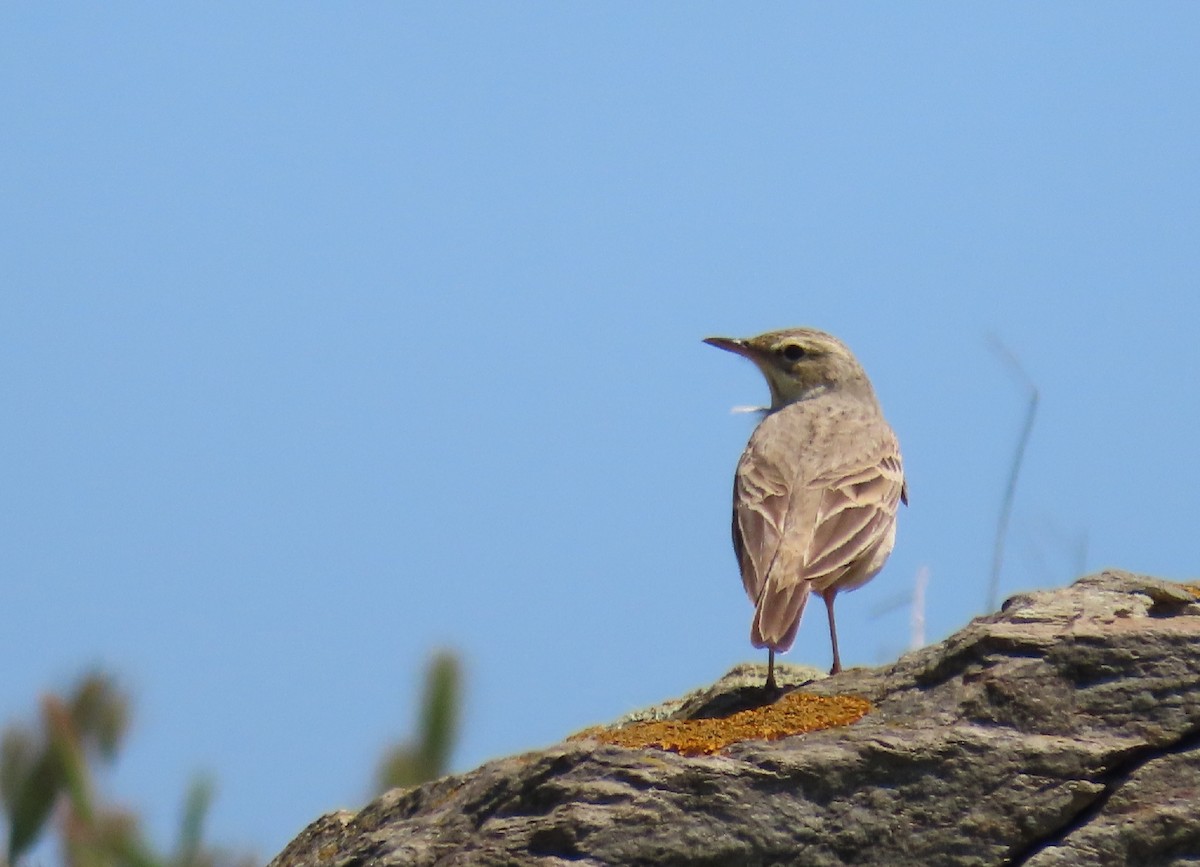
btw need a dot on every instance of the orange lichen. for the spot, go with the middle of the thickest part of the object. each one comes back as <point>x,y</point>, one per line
<point>794,714</point>
<point>1193,588</point>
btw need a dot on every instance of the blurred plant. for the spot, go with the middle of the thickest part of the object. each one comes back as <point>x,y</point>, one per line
<point>427,756</point>
<point>51,771</point>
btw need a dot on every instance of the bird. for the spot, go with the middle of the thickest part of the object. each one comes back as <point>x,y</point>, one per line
<point>817,489</point>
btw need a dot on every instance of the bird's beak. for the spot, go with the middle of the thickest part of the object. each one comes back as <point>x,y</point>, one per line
<point>730,344</point>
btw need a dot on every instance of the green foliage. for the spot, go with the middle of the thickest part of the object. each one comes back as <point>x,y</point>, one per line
<point>99,715</point>
<point>189,851</point>
<point>46,773</point>
<point>427,756</point>
<point>36,780</point>
<point>39,767</point>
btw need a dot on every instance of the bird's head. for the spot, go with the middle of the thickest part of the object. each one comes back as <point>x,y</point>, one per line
<point>800,363</point>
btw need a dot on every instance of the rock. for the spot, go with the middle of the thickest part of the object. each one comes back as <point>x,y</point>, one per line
<point>1062,730</point>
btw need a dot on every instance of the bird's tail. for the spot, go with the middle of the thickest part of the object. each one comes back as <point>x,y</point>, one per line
<point>777,616</point>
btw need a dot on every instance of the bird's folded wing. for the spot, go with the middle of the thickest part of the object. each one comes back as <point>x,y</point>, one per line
<point>857,508</point>
<point>761,498</point>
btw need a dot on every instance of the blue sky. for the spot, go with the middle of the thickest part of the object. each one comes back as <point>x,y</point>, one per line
<point>334,334</point>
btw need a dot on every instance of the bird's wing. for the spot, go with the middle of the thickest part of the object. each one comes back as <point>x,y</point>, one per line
<point>761,497</point>
<point>855,515</point>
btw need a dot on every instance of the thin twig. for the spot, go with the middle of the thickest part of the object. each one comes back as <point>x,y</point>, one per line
<point>1010,491</point>
<point>1081,554</point>
<point>916,620</point>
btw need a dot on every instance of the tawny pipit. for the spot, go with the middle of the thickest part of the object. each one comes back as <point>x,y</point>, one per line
<point>817,488</point>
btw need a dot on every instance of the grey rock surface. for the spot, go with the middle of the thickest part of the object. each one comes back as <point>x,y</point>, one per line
<point>1062,730</point>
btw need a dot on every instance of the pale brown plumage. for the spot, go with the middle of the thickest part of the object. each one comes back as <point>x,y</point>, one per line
<point>818,486</point>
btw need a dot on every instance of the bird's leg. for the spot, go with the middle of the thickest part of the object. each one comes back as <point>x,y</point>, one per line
<point>828,596</point>
<point>770,684</point>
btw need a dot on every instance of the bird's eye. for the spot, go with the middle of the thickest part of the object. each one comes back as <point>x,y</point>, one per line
<point>793,352</point>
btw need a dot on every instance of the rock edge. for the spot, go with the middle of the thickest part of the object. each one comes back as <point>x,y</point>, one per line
<point>1062,730</point>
